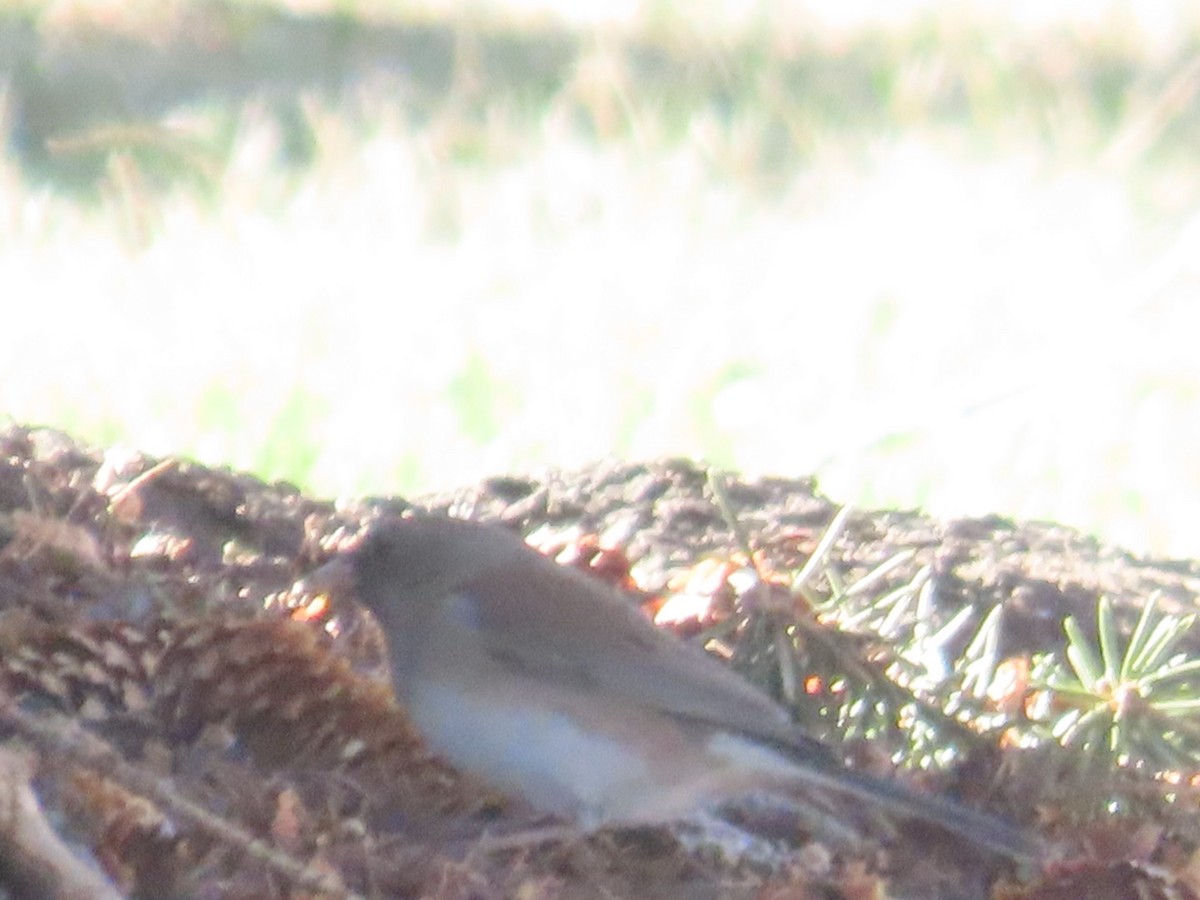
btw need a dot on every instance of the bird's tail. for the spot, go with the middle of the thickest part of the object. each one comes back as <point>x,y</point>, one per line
<point>980,828</point>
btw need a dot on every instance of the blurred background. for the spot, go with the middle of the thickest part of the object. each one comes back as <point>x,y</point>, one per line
<point>936,254</point>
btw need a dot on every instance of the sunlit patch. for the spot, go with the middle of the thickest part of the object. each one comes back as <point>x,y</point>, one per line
<point>316,608</point>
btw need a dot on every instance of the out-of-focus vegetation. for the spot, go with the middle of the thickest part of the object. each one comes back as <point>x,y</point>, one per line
<point>950,260</point>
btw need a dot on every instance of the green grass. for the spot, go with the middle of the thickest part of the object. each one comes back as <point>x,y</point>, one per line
<point>951,263</point>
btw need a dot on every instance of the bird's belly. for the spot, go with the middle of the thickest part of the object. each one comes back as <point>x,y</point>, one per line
<point>538,752</point>
<point>624,764</point>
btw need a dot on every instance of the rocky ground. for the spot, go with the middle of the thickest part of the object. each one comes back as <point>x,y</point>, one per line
<point>180,720</point>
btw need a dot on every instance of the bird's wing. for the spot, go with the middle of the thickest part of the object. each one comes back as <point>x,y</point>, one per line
<point>565,626</point>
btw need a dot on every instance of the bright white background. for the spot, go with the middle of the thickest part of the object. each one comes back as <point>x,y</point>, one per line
<point>916,315</point>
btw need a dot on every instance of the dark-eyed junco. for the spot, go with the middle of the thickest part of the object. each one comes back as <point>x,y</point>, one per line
<point>547,683</point>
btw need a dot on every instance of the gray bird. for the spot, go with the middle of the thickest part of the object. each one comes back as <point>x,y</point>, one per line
<point>550,685</point>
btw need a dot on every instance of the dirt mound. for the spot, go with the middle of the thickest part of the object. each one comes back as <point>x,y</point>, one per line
<point>205,729</point>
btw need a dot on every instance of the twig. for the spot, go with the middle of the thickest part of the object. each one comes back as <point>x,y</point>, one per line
<point>34,860</point>
<point>58,736</point>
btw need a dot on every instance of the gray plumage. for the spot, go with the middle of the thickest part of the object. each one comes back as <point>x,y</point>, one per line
<point>552,685</point>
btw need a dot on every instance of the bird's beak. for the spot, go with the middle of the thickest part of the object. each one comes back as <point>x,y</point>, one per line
<point>334,579</point>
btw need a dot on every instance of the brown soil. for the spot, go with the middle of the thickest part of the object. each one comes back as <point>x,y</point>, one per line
<point>153,602</point>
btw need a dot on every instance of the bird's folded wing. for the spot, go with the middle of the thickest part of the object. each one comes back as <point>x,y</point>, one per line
<point>584,634</point>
